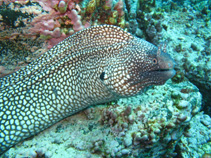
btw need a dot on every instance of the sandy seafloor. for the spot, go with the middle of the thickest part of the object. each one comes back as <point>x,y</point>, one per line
<point>165,121</point>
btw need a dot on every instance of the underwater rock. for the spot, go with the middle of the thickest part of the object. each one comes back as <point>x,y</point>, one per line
<point>197,142</point>
<point>189,43</point>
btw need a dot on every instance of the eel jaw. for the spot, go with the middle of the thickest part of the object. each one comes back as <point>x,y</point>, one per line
<point>153,77</point>
<point>163,75</point>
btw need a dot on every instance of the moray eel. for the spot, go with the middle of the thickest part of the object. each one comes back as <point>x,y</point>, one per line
<point>96,65</point>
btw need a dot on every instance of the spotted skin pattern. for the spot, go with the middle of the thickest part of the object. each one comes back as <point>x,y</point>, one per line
<point>96,65</point>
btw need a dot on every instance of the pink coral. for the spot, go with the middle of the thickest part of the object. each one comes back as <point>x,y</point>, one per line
<point>40,26</point>
<point>75,20</point>
<point>48,5</point>
<point>53,24</point>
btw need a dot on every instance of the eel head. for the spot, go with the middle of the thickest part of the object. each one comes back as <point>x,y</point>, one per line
<point>138,66</point>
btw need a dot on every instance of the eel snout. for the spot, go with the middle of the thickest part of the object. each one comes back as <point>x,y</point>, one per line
<point>165,69</point>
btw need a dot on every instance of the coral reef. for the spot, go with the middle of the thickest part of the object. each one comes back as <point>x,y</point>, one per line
<point>164,121</point>
<point>58,19</point>
<point>104,12</point>
<point>151,126</point>
<point>55,26</point>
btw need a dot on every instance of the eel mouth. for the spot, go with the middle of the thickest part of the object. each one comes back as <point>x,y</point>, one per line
<point>154,77</point>
<point>163,74</point>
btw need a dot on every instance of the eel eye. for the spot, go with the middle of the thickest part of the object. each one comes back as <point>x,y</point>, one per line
<point>154,61</point>
<point>102,76</point>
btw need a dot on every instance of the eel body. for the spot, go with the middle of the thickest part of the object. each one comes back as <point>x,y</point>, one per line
<point>96,65</point>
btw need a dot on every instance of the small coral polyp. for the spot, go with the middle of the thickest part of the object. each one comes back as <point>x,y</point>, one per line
<point>62,7</point>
